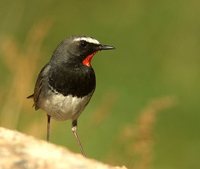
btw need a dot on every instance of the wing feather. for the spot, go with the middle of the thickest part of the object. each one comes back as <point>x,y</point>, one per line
<point>40,83</point>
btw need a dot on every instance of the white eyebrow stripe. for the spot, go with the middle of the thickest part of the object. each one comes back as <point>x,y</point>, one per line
<point>87,39</point>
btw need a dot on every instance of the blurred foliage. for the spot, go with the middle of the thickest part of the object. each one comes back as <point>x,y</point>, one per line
<point>155,68</point>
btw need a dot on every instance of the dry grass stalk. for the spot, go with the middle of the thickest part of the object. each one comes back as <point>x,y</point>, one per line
<point>104,109</point>
<point>138,137</point>
<point>22,64</point>
<point>144,130</point>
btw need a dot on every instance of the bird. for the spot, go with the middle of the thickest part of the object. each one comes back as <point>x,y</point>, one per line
<point>67,82</point>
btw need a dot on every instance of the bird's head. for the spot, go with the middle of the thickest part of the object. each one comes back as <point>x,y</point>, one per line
<point>79,49</point>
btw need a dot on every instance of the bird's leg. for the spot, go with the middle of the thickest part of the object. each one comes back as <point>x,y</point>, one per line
<point>74,131</point>
<point>48,126</point>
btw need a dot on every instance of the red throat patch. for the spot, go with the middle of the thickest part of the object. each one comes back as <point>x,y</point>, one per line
<point>88,59</point>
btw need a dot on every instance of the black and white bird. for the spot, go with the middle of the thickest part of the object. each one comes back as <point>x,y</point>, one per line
<point>67,82</point>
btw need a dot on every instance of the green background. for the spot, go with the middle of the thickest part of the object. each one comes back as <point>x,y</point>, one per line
<point>157,57</point>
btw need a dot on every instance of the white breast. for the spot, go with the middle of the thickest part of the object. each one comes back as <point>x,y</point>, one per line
<point>64,107</point>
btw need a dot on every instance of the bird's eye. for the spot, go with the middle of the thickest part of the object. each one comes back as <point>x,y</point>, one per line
<point>83,43</point>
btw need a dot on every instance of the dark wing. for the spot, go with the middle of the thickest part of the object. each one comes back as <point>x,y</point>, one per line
<point>40,83</point>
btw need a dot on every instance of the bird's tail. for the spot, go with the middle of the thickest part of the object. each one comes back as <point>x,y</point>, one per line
<point>31,96</point>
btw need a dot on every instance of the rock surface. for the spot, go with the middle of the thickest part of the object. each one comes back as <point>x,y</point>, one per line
<point>19,151</point>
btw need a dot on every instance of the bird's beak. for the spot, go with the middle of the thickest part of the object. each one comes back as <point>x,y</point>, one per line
<point>105,47</point>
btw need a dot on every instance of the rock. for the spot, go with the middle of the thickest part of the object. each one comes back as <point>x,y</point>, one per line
<point>19,151</point>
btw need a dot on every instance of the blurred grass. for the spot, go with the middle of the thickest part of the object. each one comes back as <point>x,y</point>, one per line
<point>157,55</point>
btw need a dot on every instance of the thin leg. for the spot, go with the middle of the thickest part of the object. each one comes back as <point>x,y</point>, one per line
<point>48,126</point>
<point>74,131</point>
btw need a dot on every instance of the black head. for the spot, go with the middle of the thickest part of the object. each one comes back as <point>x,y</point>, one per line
<point>78,49</point>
